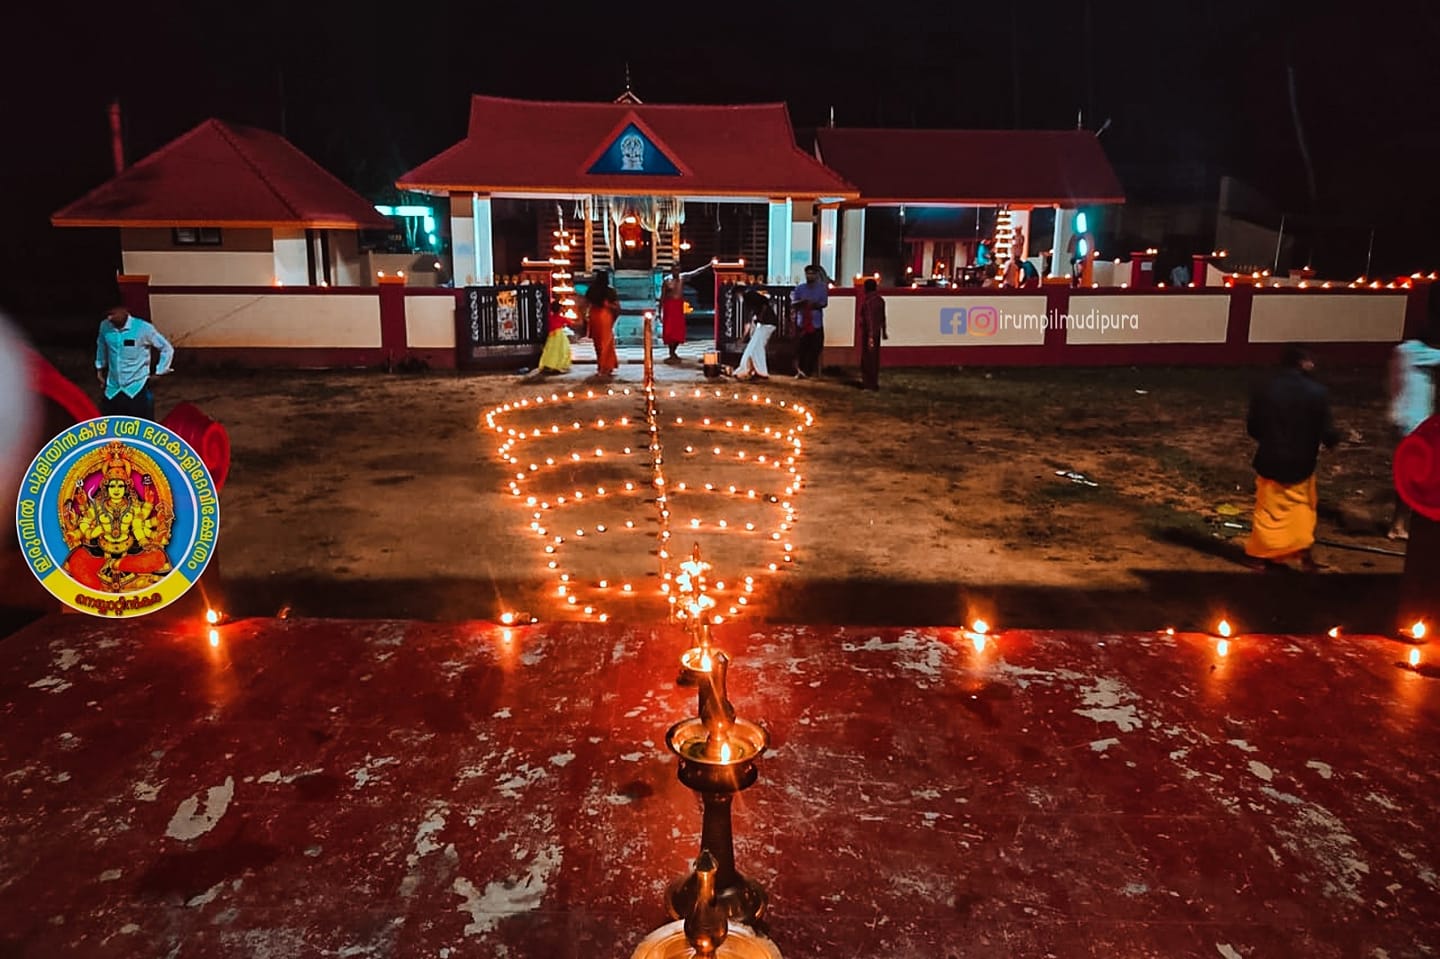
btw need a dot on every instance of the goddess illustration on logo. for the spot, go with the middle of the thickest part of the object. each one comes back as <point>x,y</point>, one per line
<point>116,520</point>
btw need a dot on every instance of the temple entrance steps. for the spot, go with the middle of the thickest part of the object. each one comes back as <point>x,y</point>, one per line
<point>667,252</point>
<point>638,293</point>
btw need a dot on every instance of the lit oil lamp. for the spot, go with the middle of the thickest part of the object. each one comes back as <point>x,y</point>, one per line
<point>697,661</point>
<point>978,634</point>
<point>718,754</point>
<point>707,932</point>
<point>512,618</point>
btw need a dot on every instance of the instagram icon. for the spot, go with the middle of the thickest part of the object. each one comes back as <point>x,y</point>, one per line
<point>984,320</point>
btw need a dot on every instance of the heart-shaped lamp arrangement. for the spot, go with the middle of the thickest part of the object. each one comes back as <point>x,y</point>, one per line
<point>610,479</point>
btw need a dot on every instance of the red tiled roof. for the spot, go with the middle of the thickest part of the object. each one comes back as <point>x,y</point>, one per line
<point>532,146</point>
<point>1067,167</point>
<point>224,175</point>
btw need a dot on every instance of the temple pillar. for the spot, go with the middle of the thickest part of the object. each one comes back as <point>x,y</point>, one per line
<point>802,239</point>
<point>484,234</point>
<point>780,236</point>
<point>852,245</point>
<point>829,233</point>
<point>462,240</point>
<point>1064,230</point>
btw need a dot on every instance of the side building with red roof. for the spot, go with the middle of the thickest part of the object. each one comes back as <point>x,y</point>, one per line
<point>227,205</point>
<point>238,246</point>
<point>935,195</point>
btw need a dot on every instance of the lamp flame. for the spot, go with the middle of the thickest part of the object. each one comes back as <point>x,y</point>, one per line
<point>724,752</point>
<point>1224,628</point>
<point>1417,630</point>
<point>980,626</point>
<point>212,617</point>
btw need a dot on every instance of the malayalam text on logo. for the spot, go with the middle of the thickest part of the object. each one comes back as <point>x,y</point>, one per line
<point>117,517</point>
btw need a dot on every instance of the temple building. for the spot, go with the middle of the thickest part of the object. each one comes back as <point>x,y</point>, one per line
<point>640,186</point>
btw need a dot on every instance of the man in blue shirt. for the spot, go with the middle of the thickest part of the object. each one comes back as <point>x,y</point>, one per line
<point>810,299</point>
<point>122,363</point>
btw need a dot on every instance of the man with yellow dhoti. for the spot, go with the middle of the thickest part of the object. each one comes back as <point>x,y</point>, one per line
<point>1290,419</point>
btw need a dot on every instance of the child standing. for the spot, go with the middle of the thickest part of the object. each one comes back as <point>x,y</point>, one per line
<point>556,356</point>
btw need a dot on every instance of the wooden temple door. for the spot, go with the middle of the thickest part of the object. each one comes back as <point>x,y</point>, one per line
<point>633,249</point>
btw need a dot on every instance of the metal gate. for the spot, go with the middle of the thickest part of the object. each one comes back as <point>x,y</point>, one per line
<point>501,325</point>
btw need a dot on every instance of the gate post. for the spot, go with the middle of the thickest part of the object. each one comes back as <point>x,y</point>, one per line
<point>392,317</point>
<point>134,291</point>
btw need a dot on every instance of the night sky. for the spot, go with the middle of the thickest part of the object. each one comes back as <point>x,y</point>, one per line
<point>1192,91</point>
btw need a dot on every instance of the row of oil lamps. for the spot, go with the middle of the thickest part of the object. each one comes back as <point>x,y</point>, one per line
<point>691,601</point>
<point>691,586</point>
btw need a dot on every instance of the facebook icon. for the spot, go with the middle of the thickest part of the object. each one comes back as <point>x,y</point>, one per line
<point>952,320</point>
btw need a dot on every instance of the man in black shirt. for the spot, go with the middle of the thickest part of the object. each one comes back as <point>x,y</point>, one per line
<point>1290,419</point>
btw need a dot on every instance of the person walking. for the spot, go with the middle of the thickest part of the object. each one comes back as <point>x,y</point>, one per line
<point>604,308</point>
<point>872,331</point>
<point>1290,419</point>
<point>761,322</point>
<point>1413,366</point>
<point>123,363</point>
<point>810,299</point>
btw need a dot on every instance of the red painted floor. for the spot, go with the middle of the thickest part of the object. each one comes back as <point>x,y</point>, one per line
<point>377,789</point>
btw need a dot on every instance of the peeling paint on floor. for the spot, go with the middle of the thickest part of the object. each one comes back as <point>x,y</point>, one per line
<point>1052,794</point>
<point>194,817</point>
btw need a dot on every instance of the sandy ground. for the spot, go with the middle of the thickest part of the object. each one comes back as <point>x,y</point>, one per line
<point>364,493</point>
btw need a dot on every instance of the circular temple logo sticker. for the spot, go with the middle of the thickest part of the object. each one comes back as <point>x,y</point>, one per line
<point>117,516</point>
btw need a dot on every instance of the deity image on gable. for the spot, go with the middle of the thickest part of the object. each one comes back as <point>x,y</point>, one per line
<point>632,152</point>
<point>116,514</point>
